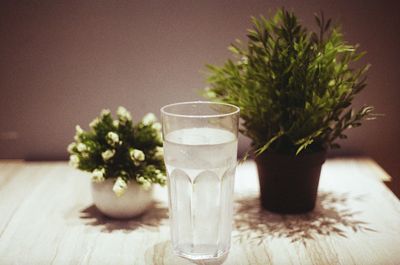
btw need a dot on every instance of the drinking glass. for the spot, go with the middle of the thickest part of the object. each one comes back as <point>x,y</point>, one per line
<point>200,154</point>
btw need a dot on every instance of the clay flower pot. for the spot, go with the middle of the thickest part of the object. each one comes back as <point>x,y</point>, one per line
<point>133,202</point>
<point>289,184</point>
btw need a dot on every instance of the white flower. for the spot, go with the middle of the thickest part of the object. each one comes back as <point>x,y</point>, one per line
<point>81,147</point>
<point>78,129</point>
<point>121,111</point>
<point>160,176</point>
<point>123,114</point>
<point>74,161</point>
<point>98,175</point>
<point>105,112</point>
<point>108,154</point>
<point>156,126</point>
<point>159,153</point>
<point>137,156</point>
<point>144,183</point>
<point>149,118</point>
<point>112,138</point>
<point>116,123</point>
<point>94,122</point>
<point>120,186</point>
<point>71,147</point>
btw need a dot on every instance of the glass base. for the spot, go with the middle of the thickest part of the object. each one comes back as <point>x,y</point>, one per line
<point>202,253</point>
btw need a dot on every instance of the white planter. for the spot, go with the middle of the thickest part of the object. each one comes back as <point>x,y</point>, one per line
<point>132,203</point>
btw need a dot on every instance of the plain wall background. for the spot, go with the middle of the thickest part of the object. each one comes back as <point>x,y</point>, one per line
<point>61,62</point>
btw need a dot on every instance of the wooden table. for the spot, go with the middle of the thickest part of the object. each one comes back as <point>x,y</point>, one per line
<point>47,217</point>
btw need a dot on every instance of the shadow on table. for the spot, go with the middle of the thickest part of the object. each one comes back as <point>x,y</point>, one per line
<point>151,219</point>
<point>331,216</point>
<point>161,253</point>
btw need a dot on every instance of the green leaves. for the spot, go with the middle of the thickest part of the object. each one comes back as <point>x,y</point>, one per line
<point>271,141</point>
<point>294,86</point>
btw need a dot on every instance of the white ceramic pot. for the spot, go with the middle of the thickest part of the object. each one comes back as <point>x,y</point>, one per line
<point>132,203</point>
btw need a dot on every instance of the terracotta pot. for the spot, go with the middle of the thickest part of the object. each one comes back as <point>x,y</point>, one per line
<point>133,202</point>
<point>289,184</point>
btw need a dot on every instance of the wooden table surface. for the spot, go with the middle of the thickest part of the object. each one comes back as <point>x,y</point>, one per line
<point>47,217</point>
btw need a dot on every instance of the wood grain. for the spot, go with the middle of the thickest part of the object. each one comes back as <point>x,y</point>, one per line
<point>47,217</point>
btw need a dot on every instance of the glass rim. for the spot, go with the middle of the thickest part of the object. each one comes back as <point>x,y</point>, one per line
<point>235,111</point>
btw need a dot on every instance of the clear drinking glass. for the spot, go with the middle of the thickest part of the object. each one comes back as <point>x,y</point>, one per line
<point>200,153</point>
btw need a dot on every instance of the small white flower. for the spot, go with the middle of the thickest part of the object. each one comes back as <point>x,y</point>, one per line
<point>120,186</point>
<point>71,147</point>
<point>123,114</point>
<point>121,111</point>
<point>112,138</point>
<point>160,176</point>
<point>108,154</point>
<point>149,118</point>
<point>94,122</point>
<point>74,161</point>
<point>137,156</point>
<point>81,147</point>
<point>78,129</point>
<point>116,123</point>
<point>105,112</point>
<point>156,126</point>
<point>144,183</point>
<point>159,153</point>
<point>98,175</point>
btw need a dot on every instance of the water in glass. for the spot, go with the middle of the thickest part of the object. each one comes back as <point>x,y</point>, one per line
<point>201,166</point>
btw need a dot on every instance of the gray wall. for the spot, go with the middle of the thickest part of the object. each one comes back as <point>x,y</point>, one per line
<point>63,61</point>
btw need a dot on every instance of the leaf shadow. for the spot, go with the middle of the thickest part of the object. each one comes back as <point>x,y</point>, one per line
<point>331,216</point>
<point>155,216</point>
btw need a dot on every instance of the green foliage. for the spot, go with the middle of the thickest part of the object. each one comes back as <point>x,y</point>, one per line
<point>294,87</point>
<point>118,149</point>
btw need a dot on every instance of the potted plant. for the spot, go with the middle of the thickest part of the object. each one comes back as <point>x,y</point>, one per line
<point>124,161</point>
<point>295,89</point>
